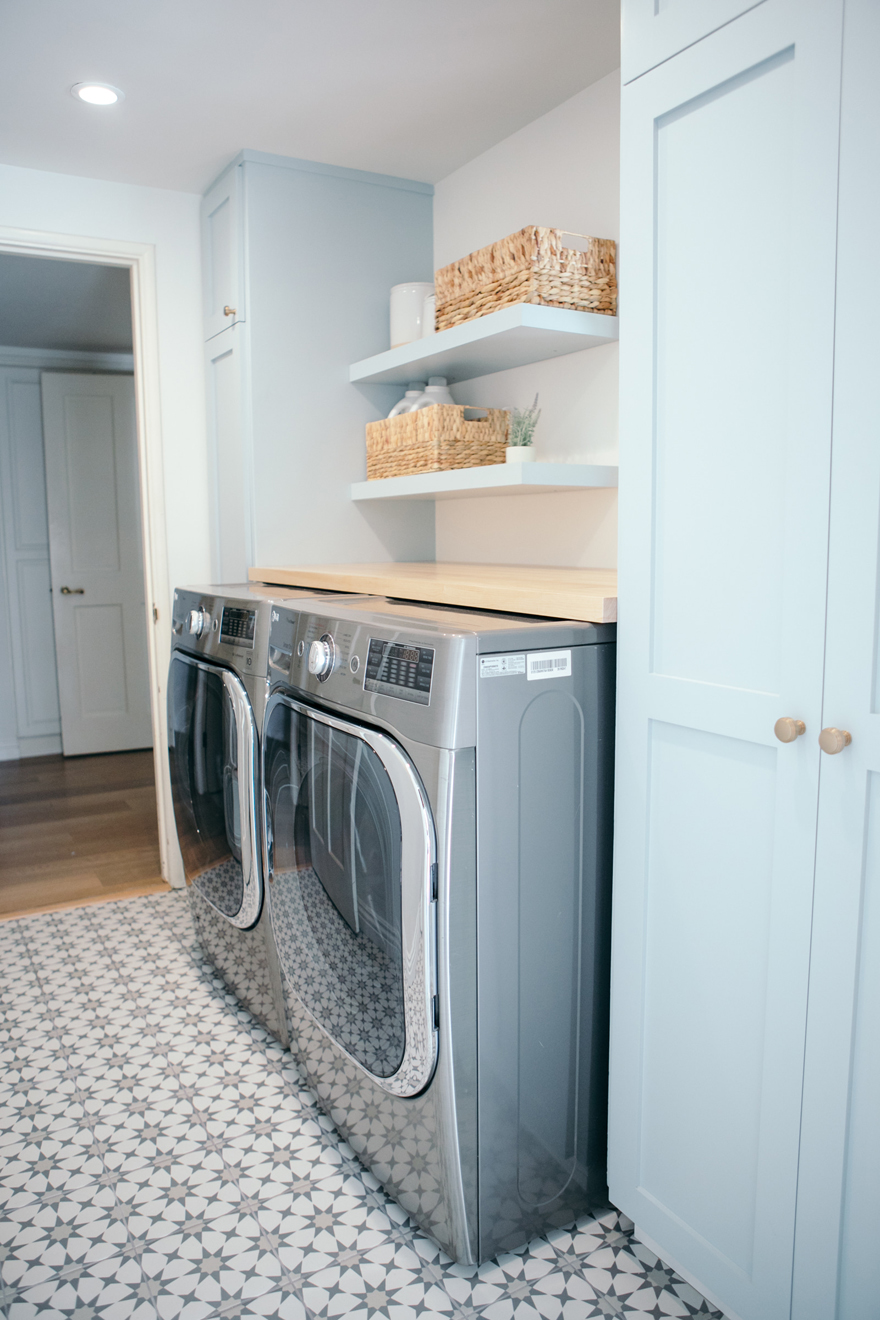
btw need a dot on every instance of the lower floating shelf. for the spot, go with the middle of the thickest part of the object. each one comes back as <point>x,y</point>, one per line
<point>496,479</point>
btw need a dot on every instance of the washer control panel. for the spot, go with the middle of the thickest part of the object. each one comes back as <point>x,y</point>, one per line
<point>398,670</point>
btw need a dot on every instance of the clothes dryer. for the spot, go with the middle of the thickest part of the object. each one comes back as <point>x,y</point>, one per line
<point>217,690</point>
<point>437,828</point>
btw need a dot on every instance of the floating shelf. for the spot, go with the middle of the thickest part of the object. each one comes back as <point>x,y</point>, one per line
<point>512,337</point>
<point>495,479</point>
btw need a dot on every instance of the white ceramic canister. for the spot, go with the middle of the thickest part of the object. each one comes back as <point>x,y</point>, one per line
<point>414,390</point>
<point>436,392</point>
<point>429,316</point>
<point>407,311</point>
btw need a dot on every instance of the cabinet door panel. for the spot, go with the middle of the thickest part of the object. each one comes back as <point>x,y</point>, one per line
<point>837,1273</point>
<point>229,458</point>
<point>223,254</point>
<point>729,155</point>
<point>655,30</point>
<point>721,425</point>
<point>710,879</point>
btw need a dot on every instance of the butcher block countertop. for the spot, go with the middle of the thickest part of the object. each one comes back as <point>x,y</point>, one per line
<point>589,594</point>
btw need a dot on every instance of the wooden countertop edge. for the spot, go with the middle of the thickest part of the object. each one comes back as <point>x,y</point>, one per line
<point>589,603</point>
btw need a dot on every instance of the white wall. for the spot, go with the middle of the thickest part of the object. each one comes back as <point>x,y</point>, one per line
<point>561,170</point>
<point>65,204</point>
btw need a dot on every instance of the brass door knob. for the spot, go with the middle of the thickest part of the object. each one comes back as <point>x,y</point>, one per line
<point>833,740</point>
<point>228,311</point>
<point>787,729</point>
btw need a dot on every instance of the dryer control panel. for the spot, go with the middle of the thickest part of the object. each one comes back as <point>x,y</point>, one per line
<point>238,626</point>
<point>398,670</point>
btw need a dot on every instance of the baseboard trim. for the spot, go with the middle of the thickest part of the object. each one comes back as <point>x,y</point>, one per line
<point>9,751</point>
<point>48,744</point>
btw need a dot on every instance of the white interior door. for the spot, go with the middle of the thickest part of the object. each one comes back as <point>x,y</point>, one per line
<point>96,557</point>
<point>728,209</point>
<point>26,537</point>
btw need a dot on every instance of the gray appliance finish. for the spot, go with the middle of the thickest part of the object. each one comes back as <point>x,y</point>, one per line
<point>217,691</point>
<point>438,806</point>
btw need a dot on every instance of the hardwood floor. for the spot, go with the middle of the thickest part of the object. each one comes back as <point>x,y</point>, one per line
<point>77,830</point>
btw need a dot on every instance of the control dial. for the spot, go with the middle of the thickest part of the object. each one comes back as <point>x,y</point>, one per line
<point>196,622</point>
<point>322,657</point>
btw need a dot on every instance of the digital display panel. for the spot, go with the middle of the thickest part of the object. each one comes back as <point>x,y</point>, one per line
<point>398,670</point>
<point>237,626</point>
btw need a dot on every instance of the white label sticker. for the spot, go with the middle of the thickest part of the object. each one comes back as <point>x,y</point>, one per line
<point>549,664</point>
<point>496,666</point>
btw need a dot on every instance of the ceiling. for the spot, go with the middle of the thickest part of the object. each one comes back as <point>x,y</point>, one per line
<point>64,304</point>
<point>407,87</point>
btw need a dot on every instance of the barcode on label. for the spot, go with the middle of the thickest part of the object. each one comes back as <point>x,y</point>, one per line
<point>548,664</point>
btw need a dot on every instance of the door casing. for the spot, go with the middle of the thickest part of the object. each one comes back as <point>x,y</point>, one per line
<point>140,260</point>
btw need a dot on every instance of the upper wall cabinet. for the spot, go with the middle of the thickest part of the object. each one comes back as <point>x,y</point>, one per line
<point>316,248</point>
<point>655,30</point>
<point>222,253</point>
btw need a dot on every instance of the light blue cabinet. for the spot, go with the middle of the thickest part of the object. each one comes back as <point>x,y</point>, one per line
<point>655,30</point>
<point>223,253</point>
<point>230,454</point>
<point>306,255</point>
<point>747,930</point>
<point>837,1250</point>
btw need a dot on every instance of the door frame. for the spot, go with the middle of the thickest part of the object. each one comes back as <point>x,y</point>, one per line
<point>139,259</point>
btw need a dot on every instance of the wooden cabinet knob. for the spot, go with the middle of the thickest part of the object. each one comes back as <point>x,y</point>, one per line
<point>833,740</point>
<point>228,311</point>
<point>787,729</point>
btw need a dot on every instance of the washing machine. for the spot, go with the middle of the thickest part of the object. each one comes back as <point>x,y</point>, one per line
<point>217,689</point>
<point>437,832</point>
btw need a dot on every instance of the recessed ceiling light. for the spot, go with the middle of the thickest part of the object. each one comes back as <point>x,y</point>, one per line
<point>97,93</point>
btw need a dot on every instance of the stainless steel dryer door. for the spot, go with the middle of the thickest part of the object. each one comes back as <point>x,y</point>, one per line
<point>212,750</point>
<point>350,854</point>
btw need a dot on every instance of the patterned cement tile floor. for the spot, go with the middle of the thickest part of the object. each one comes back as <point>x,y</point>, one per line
<point>159,1157</point>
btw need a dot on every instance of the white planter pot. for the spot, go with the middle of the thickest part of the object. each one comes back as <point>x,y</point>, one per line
<point>520,454</point>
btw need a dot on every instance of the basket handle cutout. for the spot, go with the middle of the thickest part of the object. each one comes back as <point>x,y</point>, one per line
<point>475,414</point>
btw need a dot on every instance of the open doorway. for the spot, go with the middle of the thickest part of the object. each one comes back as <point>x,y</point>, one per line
<point>78,800</point>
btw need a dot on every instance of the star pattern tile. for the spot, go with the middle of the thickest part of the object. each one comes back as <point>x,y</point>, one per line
<point>161,1159</point>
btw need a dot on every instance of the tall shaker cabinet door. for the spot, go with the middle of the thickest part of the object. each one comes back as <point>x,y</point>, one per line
<point>654,30</point>
<point>837,1273</point>
<point>223,282</point>
<point>728,203</point>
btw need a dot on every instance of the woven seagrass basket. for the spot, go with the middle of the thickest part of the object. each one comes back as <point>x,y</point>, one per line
<point>435,439</point>
<point>531,266</point>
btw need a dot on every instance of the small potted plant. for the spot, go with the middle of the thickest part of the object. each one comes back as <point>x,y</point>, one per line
<point>522,428</point>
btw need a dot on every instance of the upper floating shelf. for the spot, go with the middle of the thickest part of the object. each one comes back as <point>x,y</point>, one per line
<point>512,337</point>
<point>494,479</point>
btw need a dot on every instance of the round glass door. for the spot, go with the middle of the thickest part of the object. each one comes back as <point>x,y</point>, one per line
<point>213,763</point>
<point>350,846</point>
